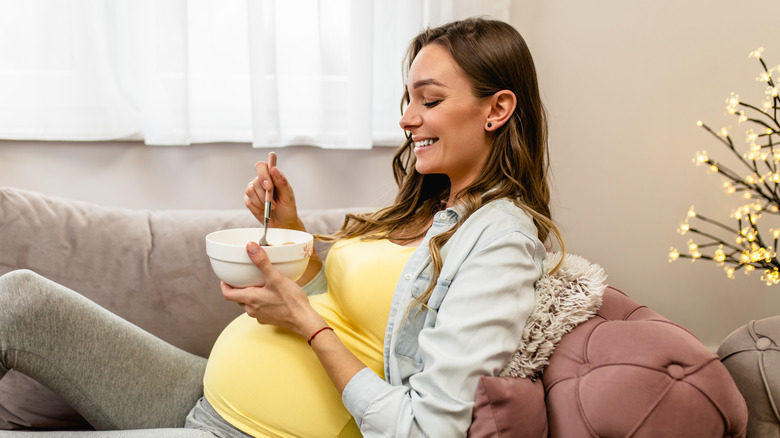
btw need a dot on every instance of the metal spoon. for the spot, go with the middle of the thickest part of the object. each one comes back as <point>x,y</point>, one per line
<point>269,196</point>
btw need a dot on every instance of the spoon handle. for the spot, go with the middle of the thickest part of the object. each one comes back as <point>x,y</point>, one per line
<point>269,194</point>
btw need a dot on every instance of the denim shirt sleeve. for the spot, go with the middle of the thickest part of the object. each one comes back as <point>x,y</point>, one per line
<point>489,296</point>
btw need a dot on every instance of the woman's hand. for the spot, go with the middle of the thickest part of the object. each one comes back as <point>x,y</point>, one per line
<point>285,212</point>
<point>280,301</point>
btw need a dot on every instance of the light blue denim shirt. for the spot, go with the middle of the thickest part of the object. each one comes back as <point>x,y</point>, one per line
<point>471,328</point>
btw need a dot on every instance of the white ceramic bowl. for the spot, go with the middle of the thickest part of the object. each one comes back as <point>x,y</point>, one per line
<point>227,251</point>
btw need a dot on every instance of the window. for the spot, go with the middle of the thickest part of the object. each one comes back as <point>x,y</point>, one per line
<point>176,72</point>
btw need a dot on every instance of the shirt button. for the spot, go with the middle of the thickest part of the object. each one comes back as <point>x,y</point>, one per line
<point>442,216</point>
<point>408,276</point>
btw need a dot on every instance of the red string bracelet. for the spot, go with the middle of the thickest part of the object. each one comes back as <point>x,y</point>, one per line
<point>318,332</point>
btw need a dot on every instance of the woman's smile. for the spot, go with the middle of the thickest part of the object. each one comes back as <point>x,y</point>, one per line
<point>425,144</point>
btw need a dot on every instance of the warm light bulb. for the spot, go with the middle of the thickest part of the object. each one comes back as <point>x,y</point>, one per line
<point>732,102</point>
<point>720,256</point>
<point>756,53</point>
<point>673,254</point>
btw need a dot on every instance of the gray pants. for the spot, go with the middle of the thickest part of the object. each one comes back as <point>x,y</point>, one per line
<point>116,375</point>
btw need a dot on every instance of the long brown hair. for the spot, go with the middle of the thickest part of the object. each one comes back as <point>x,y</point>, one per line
<point>494,57</point>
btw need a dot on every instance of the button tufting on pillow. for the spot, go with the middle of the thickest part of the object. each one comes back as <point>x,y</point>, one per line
<point>763,343</point>
<point>676,371</point>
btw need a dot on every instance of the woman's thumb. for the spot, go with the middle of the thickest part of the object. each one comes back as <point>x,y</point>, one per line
<point>258,256</point>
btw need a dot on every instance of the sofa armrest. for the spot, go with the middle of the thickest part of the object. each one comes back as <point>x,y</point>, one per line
<point>752,355</point>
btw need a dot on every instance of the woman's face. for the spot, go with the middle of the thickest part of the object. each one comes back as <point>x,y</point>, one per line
<point>446,120</point>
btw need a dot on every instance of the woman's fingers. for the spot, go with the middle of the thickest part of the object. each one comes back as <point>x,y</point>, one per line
<point>285,212</point>
<point>254,199</point>
<point>254,195</point>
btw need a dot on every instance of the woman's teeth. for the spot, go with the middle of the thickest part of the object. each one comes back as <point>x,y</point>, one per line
<point>423,143</point>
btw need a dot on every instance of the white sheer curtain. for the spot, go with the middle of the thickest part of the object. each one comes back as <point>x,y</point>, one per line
<point>175,72</point>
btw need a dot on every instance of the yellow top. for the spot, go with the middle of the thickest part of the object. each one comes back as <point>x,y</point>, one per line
<point>268,382</point>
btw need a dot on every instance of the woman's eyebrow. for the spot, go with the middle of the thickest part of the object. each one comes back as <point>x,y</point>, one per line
<point>423,82</point>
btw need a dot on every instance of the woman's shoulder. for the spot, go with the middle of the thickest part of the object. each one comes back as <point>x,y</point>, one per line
<point>508,212</point>
<point>502,216</point>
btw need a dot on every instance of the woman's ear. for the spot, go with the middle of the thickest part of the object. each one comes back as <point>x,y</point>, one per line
<point>502,106</point>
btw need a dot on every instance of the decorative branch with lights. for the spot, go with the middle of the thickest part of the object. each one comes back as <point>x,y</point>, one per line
<point>744,246</point>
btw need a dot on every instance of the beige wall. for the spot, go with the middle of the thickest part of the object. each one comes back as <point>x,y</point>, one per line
<point>624,83</point>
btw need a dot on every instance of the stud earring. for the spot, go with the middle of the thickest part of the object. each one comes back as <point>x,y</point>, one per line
<point>490,125</point>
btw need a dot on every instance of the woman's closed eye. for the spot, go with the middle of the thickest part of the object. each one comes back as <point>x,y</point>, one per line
<point>432,103</point>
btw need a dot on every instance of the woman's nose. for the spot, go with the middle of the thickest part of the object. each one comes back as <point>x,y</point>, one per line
<point>409,119</point>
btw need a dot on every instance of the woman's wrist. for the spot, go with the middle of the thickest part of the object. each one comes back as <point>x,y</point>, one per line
<point>327,327</point>
<point>310,324</point>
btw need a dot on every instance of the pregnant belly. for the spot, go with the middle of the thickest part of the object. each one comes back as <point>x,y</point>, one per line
<point>268,382</point>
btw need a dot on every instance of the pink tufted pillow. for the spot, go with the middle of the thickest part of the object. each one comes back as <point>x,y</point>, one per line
<point>627,371</point>
<point>630,372</point>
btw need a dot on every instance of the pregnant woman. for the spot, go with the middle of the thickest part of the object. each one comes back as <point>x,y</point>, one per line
<point>389,338</point>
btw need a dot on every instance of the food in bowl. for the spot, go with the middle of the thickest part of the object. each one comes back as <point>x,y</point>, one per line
<point>289,252</point>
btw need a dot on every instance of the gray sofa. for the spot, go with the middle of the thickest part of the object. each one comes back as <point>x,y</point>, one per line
<point>150,268</point>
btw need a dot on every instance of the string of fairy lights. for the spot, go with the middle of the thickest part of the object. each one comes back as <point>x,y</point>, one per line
<point>743,245</point>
